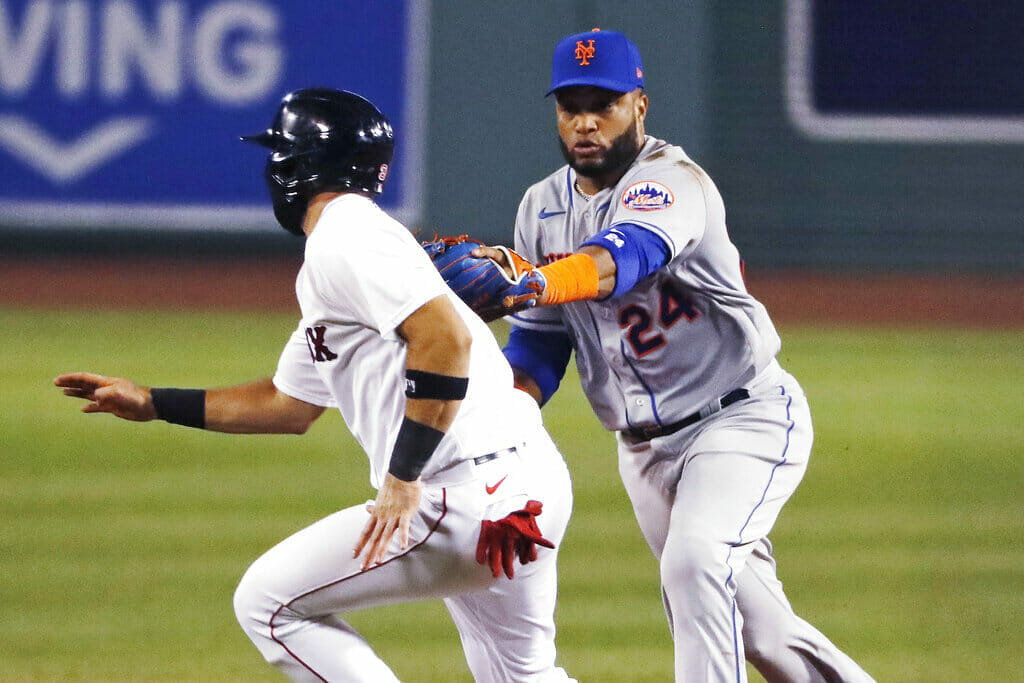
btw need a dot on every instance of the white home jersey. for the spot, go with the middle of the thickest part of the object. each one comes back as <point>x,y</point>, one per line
<point>682,337</point>
<point>363,275</point>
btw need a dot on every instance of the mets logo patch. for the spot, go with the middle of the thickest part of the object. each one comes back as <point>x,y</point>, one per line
<point>647,195</point>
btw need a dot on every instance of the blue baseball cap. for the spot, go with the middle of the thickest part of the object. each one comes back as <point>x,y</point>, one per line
<point>606,59</point>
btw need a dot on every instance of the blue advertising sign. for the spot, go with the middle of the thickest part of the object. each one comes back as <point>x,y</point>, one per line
<point>944,70</point>
<point>127,113</point>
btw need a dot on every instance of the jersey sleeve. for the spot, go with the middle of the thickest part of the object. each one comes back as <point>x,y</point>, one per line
<point>666,199</point>
<point>296,375</point>
<point>379,280</point>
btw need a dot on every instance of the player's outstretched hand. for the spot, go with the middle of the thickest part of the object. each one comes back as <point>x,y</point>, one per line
<point>114,395</point>
<point>396,504</point>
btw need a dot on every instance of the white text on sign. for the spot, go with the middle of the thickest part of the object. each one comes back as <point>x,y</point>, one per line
<point>229,51</point>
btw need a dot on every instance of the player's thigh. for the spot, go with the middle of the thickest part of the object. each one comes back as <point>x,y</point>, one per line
<point>741,468</point>
<point>314,572</point>
<point>649,479</point>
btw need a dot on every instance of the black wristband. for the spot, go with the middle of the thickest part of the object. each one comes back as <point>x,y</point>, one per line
<point>180,406</point>
<point>415,444</point>
<point>423,384</point>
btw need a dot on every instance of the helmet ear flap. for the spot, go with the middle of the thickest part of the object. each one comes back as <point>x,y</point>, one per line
<point>287,192</point>
<point>290,215</point>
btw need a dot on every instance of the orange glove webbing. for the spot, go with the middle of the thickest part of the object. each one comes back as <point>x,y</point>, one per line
<point>574,278</point>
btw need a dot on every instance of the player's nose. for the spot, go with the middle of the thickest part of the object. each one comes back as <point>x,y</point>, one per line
<point>585,122</point>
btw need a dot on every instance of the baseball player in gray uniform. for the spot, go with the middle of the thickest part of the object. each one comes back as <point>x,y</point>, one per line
<point>622,256</point>
<point>460,458</point>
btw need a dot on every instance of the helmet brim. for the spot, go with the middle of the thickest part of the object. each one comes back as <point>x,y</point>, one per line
<point>263,139</point>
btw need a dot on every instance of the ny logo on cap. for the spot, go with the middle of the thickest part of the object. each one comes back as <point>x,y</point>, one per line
<point>584,53</point>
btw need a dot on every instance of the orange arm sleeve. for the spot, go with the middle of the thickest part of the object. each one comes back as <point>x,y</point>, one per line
<point>574,278</point>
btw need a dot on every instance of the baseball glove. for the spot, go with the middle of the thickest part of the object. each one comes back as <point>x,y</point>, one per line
<point>481,282</point>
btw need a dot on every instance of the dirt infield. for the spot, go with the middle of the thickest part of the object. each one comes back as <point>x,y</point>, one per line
<point>267,283</point>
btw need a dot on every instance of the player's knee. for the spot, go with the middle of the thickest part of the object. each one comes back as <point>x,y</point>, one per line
<point>761,647</point>
<point>692,562</point>
<point>254,607</point>
<point>775,650</point>
<point>245,602</point>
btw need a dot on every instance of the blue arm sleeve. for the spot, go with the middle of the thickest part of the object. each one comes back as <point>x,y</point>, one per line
<point>637,252</point>
<point>543,356</point>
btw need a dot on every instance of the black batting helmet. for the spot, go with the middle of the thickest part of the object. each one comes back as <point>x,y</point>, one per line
<point>323,140</point>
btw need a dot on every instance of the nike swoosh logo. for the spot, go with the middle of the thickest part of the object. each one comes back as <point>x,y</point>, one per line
<point>544,213</point>
<point>492,489</point>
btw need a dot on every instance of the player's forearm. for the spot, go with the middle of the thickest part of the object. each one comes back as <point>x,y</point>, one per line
<point>606,269</point>
<point>258,408</point>
<point>587,274</point>
<point>607,265</point>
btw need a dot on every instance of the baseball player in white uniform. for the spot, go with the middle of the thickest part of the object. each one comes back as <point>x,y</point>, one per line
<point>460,457</point>
<point>675,356</point>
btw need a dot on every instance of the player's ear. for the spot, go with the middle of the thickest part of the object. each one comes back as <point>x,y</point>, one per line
<point>640,103</point>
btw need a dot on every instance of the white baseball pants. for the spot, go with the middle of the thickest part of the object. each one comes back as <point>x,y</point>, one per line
<point>706,498</point>
<point>289,599</point>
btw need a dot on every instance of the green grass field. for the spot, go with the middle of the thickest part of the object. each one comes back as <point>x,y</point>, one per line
<point>121,544</point>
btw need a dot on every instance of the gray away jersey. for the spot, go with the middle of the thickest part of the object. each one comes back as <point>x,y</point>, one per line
<point>686,334</point>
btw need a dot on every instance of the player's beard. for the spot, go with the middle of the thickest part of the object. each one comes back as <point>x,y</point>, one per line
<point>620,154</point>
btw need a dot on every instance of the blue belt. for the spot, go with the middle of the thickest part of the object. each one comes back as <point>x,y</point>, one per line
<point>654,431</point>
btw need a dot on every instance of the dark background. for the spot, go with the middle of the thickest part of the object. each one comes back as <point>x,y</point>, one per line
<point>721,80</point>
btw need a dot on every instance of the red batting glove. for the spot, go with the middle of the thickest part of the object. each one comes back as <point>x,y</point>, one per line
<point>516,534</point>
